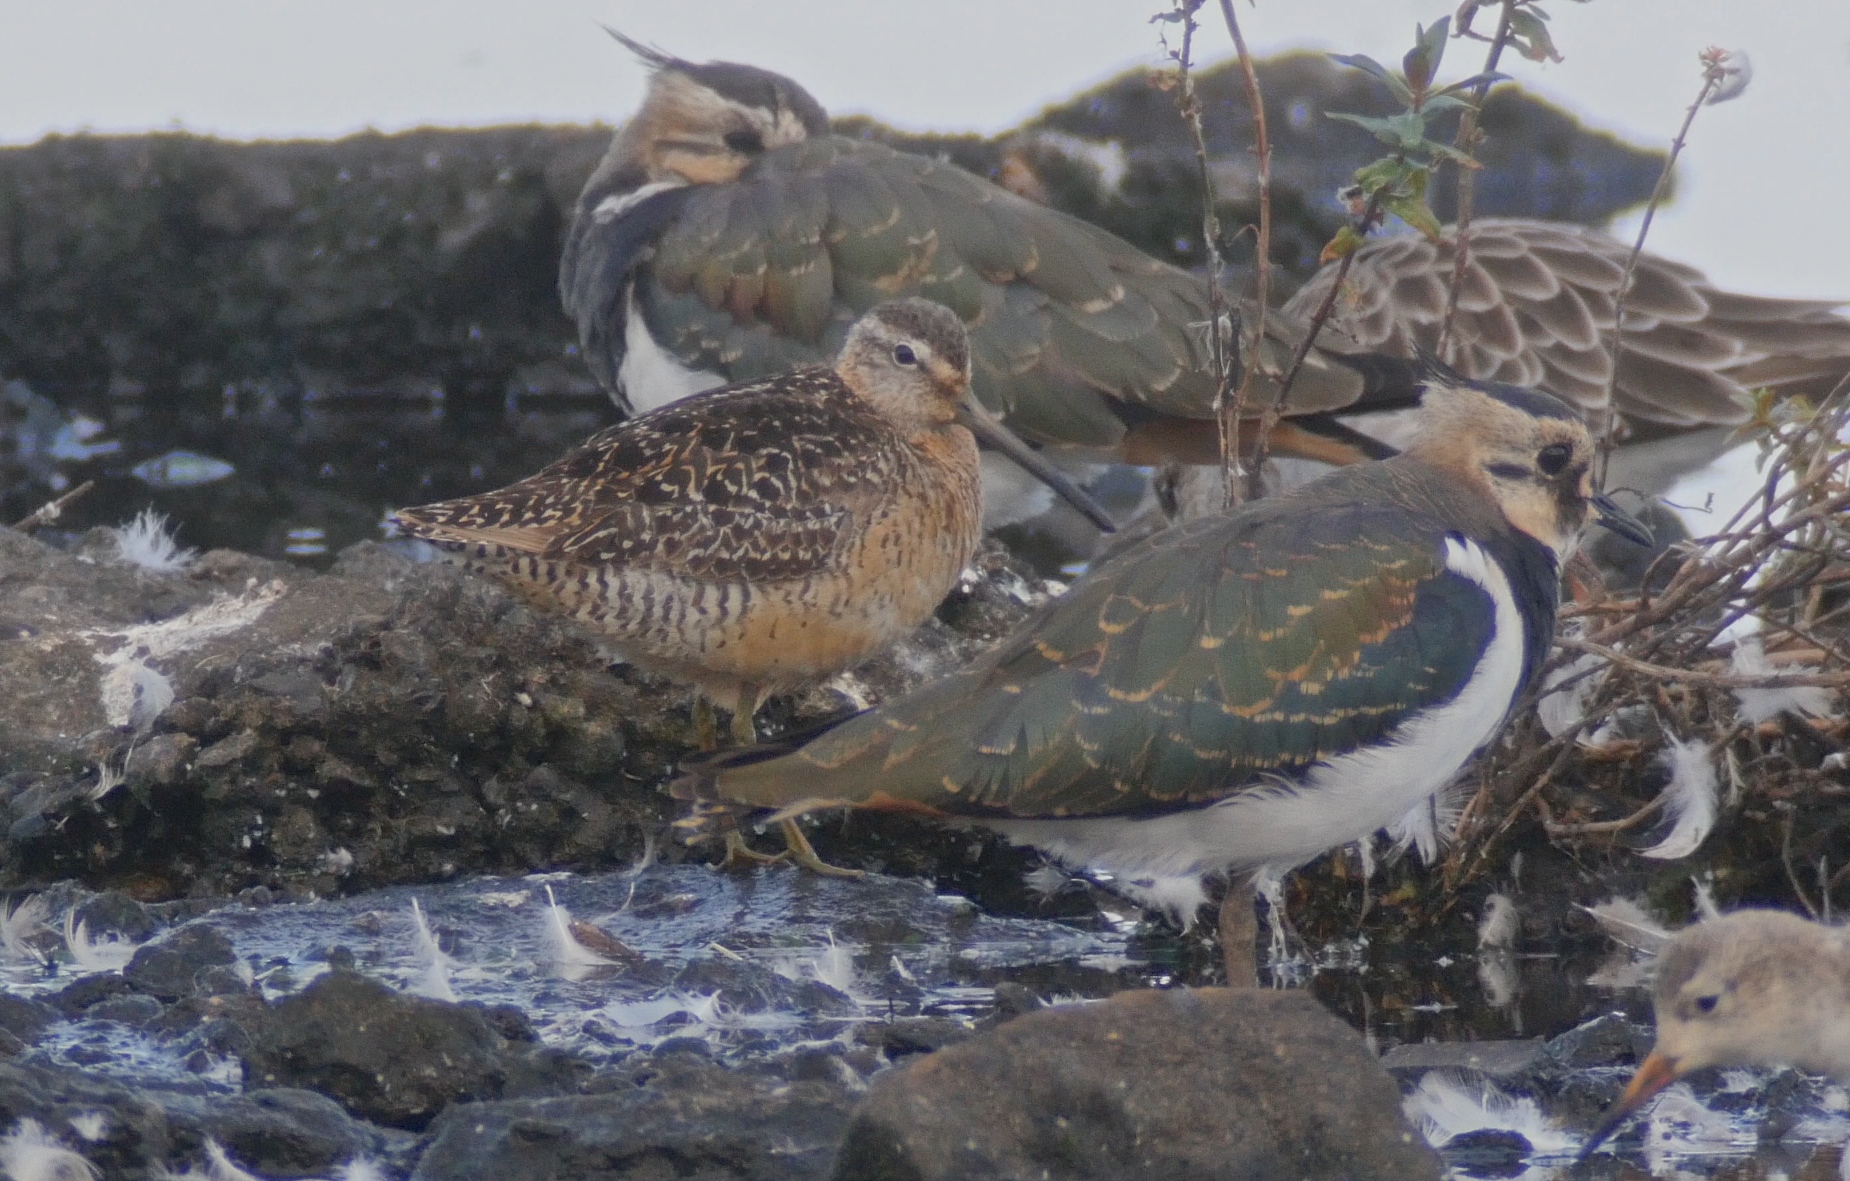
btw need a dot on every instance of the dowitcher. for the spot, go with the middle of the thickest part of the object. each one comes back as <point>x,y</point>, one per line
<point>1748,988</point>
<point>1253,688</point>
<point>762,536</point>
<point>727,234</point>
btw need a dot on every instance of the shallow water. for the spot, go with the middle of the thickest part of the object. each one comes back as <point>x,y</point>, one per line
<point>763,963</point>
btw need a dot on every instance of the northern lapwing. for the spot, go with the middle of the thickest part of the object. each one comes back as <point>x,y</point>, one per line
<point>728,235</point>
<point>1748,988</point>
<point>766,535</point>
<point>1248,690</point>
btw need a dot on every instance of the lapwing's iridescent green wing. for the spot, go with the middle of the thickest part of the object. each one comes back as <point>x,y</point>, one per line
<point>1073,331</point>
<point>1190,668</point>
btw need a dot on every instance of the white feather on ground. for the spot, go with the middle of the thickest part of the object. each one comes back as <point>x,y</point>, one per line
<point>1689,800</point>
<point>20,927</point>
<point>145,542</point>
<point>433,979</point>
<point>571,960</point>
<point>1763,705</point>
<point>1565,692</point>
<point>1443,1108</point>
<point>1497,929</point>
<point>110,954</point>
<point>29,1153</point>
<point>1628,923</point>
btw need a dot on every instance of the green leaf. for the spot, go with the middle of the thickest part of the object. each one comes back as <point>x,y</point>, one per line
<point>1462,159</point>
<point>1421,64</point>
<point>1345,243</point>
<point>1530,37</point>
<point>1444,102</point>
<point>1377,71</point>
<point>1414,212</point>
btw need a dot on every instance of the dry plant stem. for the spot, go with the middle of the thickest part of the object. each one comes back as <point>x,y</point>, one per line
<point>1710,78</point>
<point>1466,141</point>
<point>1230,416</point>
<point>50,511</point>
<point>1370,216</point>
<point>1190,105</point>
<point>1664,672</point>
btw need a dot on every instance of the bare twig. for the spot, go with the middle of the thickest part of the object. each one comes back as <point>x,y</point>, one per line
<point>1712,76</point>
<point>1189,103</point>
<point>1466,141</point>
<point>1262,286</point>
<point>51,510</point>
<point>1367,220</point>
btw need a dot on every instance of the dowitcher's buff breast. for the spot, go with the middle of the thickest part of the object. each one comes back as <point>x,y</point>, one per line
<point>761,535</point>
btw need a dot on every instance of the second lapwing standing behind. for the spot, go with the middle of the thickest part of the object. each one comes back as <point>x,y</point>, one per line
<point>766,535</point>
<point>1249,690</point>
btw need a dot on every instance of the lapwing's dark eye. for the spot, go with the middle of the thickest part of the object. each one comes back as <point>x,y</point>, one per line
<point>1706,1004</point>
<point>1552,458</point>
<point>749,143</point>
<point>904,355</point>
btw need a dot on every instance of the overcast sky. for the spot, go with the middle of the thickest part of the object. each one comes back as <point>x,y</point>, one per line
<point>1758,207</point>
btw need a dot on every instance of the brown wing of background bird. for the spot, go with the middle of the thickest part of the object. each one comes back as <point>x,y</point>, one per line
<point>1537,308</point>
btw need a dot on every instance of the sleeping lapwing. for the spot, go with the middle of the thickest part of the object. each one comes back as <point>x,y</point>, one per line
<point>756,538</point>
<point>728,235</point>
<point>1248,690</point>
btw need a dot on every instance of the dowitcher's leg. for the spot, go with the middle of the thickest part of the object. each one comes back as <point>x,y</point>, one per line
<point>706,726</point>
<point>1239,931</point>
<point>740,855</point>
<point>801,852</point>
<point>743,732</point>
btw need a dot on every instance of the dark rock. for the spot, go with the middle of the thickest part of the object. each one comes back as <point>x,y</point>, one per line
<point>171,968</point>
<point>387,1057</point>
<point>25,1019</point>
<point>1492,1059</point>
<point>134,1009</point>
<point>1608,1040</point>
<point>274,1133</point>
<point>684,1117</point>
<point>914,1035</point>
<point>77,996</point>
<point>134,1132</point>
<point>1207,1083</point>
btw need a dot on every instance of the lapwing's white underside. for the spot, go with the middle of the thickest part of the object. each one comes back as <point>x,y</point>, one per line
<point>1161,861</point>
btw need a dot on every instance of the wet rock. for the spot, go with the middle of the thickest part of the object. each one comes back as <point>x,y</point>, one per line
<point>677,1115</point>
<point>391,1058</point>
<point>914,1035</point>
<point>1203,1083</point>
<point>1488,1059</point>
<point>277,1132</point>
<point>171,968</point>
<point>24,1019</point>
<point>382,722</point>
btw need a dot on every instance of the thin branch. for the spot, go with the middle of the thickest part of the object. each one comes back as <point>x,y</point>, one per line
<point>1369,218</point>
<point>1466,141</point>
<point>1712,77</point>
<point>1262,286</point>
<point>50,511</point>
<point>1189,104</point>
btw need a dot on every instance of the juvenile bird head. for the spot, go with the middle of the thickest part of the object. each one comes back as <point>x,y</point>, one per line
<point>705,123</point>
<point>911,359</point>
<point>1527,450</point>
<point>1751,988</point>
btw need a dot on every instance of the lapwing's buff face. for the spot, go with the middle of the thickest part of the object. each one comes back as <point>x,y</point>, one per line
<point>910,358</point>
<point>705,124</point>
<point>1529,450</point>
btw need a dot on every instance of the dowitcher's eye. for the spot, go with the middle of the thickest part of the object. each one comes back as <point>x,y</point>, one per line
<point>904,355</point>
<point>748,143</point>
<point>1552,458</point>
<point>1706,1004</point>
